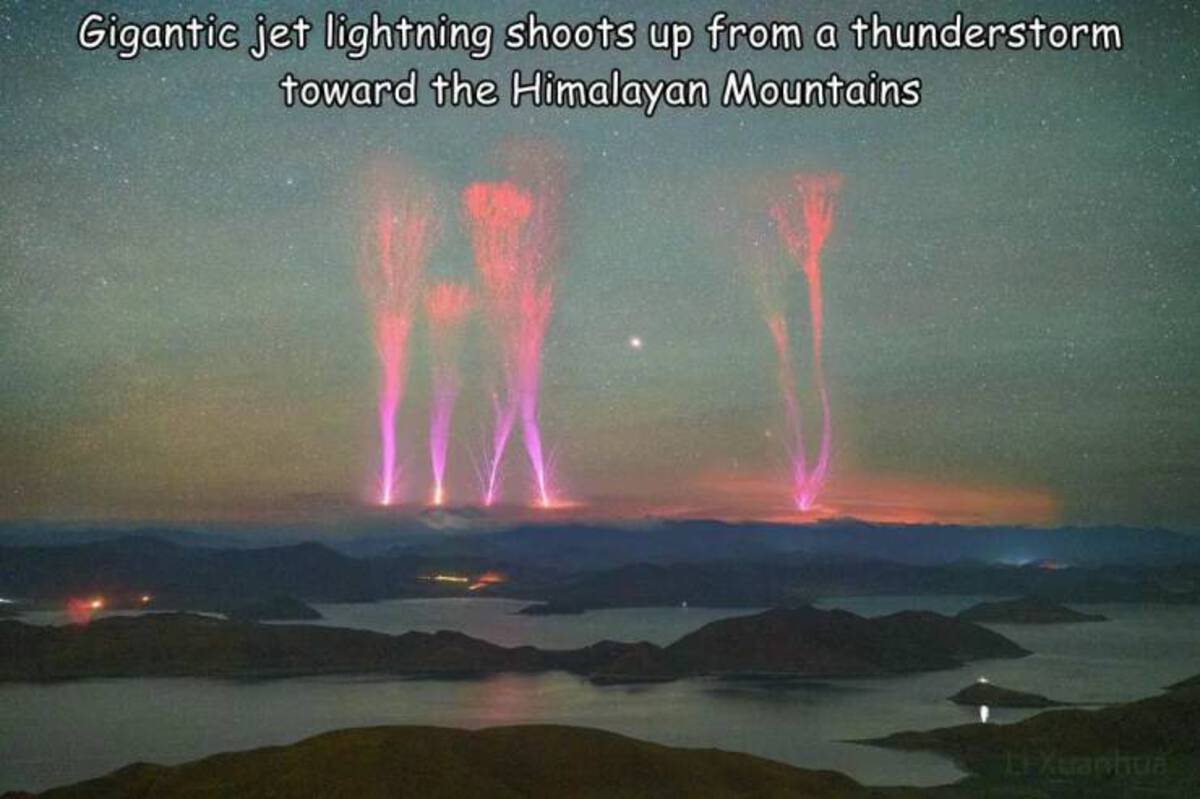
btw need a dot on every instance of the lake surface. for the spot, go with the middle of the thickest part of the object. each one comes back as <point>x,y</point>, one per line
<point>59,733</point>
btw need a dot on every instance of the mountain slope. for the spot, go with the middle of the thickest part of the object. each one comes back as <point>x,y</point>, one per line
<point>498,763</point>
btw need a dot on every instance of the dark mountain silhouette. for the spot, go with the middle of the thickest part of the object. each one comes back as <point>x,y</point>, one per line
<point>835,642</point>
<point>1026,610</point>
<point>436,763</point>
<point>276,608</point>
<point>138,564</point>
<point>208,578</point>
<point>797,579</point>
<point>795,642</point>
<point>181,644</point>
<point>574,546</point>
<point>589,546</point>
<point>992,695</point>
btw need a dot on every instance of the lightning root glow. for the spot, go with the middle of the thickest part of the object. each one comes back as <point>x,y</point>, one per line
<point>391,345</point>
<point>539,166</point>
<point>804,220</point>
<point>787,389</point>
<point>396,245</point>
<point>447,306</point>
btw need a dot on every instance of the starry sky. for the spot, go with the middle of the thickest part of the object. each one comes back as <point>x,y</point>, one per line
<point>1012,300</point>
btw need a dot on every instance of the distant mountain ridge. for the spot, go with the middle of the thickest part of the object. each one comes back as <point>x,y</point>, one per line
<point>210,578</point>
<point>592,545</point>
<point>519,565</point>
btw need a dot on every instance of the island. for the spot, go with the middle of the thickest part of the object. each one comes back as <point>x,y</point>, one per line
<point>276,608</point>
<point>1026,610</point>
<point>986,693</point>
<point>797,642</point>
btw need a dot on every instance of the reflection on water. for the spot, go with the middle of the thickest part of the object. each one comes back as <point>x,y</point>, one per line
<point>51,734</point>
<point>60,733</point>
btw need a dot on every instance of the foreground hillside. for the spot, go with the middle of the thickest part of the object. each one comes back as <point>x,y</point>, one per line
<point>497,763</point>
<point>1143,748</point>
<point>1146,748</point>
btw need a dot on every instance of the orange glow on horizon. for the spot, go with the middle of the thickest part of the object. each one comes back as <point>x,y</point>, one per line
<point>488,578</point>
<point>556,504</point>
<point>751,497</point>
<point>80,611</point>
<point>877,499</point>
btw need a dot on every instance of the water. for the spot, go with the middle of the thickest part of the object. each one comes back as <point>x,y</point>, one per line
<point>1136,653</point>
<point>59,733</point>
<point>497,620</point>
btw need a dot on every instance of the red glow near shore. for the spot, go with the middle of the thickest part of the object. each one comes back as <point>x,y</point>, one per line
<point>80,611</point>
<point>447,306</point>
<point>396,245</point>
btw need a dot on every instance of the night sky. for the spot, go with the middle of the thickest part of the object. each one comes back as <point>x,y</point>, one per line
<point>1011,296</point>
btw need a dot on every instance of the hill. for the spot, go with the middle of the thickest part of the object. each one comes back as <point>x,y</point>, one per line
<point>985,693</point>
<point>499,763</point>
<point>181,644</point>
<point>813,642</point>
<point>1143,748</point>
<point>796,642</point>
<point>1026,610</point>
